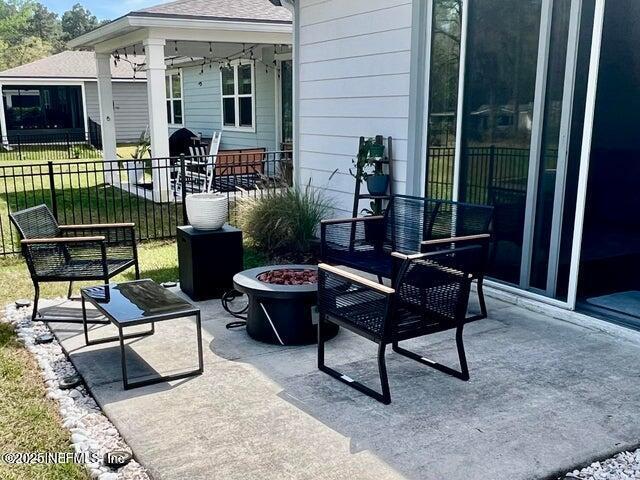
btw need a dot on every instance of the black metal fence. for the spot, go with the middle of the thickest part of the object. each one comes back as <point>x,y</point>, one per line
<point>484,169</point>
<point>52,146</point>
<point>150,192</point>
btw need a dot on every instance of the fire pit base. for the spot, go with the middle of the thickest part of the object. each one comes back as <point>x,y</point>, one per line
<point>280,314</point>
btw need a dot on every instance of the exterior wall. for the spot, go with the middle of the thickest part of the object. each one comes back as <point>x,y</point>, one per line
<point>354,62</point>
<point>131,110</point>
<point>202,106</point>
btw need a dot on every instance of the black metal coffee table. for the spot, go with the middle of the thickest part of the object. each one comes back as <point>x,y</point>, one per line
<point>137,303</point>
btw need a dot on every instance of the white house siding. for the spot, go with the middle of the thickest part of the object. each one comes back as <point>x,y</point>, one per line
<point>354,59</point>
<point>202,106</point>
<point>131,110</point>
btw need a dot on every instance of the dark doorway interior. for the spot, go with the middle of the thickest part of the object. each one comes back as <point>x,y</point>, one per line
<point>609,278</point>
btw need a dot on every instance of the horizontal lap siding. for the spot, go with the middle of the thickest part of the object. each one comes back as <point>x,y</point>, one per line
<point>354,81</point>
<point>202,106</point>
<point>131,111</point>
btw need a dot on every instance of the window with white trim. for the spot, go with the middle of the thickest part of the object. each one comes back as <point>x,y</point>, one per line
<point>238,104</point>
<point>173,83</point>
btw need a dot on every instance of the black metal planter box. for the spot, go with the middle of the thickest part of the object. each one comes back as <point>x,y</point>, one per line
<point>208,260</point>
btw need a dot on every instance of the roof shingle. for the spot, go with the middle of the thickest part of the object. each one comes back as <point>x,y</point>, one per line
<point>71,64</point>
<point>239,10</point>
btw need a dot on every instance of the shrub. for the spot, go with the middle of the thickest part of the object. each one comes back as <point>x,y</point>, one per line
<point>283,223</point>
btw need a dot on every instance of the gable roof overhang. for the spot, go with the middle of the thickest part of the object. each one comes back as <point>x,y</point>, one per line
<point>134,27</point>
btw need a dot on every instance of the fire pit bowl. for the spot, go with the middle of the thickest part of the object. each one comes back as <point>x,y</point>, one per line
<point>281,298</point>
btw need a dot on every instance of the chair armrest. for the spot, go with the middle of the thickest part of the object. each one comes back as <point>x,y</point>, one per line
<point>466,238</point>
<point>352,277</point>
<point>97,226</point>
<point>351,220</point>
<point>35,241</point>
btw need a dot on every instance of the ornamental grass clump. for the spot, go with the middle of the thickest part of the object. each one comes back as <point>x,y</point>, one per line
<point>283,223</point>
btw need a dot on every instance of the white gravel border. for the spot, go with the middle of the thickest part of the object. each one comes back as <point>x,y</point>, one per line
<point>90,429</point>
<point>624,466</point>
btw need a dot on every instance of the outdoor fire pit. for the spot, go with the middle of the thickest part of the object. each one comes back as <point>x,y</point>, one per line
<point>281,298</point>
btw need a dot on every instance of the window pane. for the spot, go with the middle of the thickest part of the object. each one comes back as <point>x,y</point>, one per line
<point>177,87</point>
<point>227,81</point>
<point>246,115</point>
<point>443,97</point>
<point>169,111</point>
<point>177,111</point>
<point>167,84</point>
<point>502,52</point>
<point>229,114</point>
<point>244,79</point>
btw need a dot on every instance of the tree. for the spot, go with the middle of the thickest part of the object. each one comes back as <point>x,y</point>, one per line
<point>44,23</point>
<point>14,19</point>
<point>28,50</point>
<point>78,21</point>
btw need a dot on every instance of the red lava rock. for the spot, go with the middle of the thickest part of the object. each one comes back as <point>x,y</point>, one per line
<point>287,276</point>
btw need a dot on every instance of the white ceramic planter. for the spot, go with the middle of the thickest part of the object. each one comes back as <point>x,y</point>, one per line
<point>135,171</point>
<point>207,211</point>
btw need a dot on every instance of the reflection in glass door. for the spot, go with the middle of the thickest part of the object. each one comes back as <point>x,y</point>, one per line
<point>499,90</point>
<point>443,97</point>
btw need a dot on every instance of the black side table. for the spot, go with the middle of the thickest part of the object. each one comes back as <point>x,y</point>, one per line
<point>208,260</point>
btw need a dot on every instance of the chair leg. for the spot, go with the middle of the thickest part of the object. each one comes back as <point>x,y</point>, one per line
<point>483,305</point>
<point>70,291</point>
<point>463,374</point>
<point>384,397</point>
<point>36,287</point>
<point>137,268</point>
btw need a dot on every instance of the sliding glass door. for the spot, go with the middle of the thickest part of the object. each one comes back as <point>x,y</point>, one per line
<point>507,130</point>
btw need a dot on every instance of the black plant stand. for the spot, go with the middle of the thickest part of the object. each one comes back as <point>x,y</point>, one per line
<point>208,260</point>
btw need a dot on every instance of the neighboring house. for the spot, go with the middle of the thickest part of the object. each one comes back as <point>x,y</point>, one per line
<point>59,95</point>
<point>213,65</point>
<point>562,173</point>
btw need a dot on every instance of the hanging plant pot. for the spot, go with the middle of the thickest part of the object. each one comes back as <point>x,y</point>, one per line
<point>378,184</point>
<point>376,150</point>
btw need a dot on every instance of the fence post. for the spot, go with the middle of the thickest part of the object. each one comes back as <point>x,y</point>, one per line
<point>19,148</point>
<point>66,138</point>
<point>183,189</point>
<point>52,190</point>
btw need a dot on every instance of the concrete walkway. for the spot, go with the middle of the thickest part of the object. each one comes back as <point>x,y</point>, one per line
<point>545,395</point>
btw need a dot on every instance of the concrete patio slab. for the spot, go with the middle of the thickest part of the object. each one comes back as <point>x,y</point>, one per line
<point>544,395</point>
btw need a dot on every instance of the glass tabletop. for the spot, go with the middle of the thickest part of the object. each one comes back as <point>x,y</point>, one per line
<point>135,301</point>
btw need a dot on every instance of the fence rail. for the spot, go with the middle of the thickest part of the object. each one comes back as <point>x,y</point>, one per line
<point>149,192</point>
<point>52,146</point>
<point>485,170</point>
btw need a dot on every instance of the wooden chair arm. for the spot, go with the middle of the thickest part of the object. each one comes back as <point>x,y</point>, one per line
<point>89,226</point>
<point>352,277</point>
<point>351,220</point>
<point>466,238</point>
<point>33,241</point>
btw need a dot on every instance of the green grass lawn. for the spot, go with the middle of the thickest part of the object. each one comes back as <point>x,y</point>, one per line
<point>82,196</point>
<point>28,420</point>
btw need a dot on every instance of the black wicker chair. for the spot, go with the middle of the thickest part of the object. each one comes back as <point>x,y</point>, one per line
<point>66,253</point>
<point>409,225</point>
<point>430,294</point>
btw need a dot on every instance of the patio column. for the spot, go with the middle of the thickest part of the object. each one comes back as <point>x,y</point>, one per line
<point>4,137</point>
<point>158,124</point>
<point>107,116</point>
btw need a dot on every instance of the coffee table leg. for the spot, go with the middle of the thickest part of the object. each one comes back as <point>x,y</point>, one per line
<point>123,359</point>
<point>199,335</point>
<point>84,320</point>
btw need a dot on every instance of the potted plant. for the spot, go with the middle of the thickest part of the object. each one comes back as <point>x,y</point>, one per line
<point>368,167</point>
<point>135,167</point>
<point>374,230</point>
